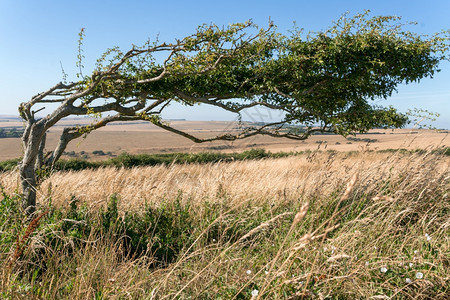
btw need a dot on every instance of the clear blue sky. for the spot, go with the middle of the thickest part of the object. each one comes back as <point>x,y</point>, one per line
<point>37,36</point>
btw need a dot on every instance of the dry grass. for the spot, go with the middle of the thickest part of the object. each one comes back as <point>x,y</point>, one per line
<point>276,179</point>
<point>360,237</point>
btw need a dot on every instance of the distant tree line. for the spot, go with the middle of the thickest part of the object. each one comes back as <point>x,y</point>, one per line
<point>11,132</point>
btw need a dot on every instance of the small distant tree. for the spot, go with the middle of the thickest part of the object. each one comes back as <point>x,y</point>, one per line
<point>324,81</point>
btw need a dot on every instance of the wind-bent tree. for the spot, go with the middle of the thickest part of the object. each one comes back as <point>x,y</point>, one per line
<point>324,82</point>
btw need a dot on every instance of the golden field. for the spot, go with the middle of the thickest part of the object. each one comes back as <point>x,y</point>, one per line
<point>258,180</point>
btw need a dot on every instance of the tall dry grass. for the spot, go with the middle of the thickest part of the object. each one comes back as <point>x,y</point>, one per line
<point>258,180</point>
<point>376,225</point>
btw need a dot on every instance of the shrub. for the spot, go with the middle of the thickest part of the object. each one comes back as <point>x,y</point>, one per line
<point>98,152</point>
<point>9,164</point>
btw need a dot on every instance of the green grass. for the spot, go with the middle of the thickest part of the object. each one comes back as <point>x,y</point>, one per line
<point>8,165</point>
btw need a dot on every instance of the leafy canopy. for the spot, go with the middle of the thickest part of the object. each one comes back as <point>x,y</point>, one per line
<point>325,79</point>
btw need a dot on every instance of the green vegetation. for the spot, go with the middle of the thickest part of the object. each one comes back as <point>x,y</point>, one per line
<point>11,132</point>
<point>10,164</point>
<point>367,140</point>
<point>127,160</point>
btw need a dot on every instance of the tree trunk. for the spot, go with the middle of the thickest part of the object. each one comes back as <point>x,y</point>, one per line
<point>28,184</point>
<point>32,141</point>
<point>40,157</point>
<point>65,138</point>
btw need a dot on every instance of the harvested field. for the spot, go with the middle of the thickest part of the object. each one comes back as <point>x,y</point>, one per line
<point>145,138</point>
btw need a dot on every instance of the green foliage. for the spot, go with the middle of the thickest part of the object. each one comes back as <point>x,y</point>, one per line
<point>80,55</point>
<point>98,152</point>
<point>367,140</point>
<point>10,164</point>
<point>167,230</point>
<point>446,151</point>
<point>327,78</point>
<point>337,71</point>
<point>162,231</point>
<point>129,160</point>
<point>11,220</point>
<point>75,164</point>
<point>110,217</point>
<point>420,117</point>
<point>11,132</point>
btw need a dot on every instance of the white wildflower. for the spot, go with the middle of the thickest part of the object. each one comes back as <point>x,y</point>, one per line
<point>248,272</point>
<point>410,265</point>
<point>383,269</point>
<point>255,293</point>
<point>408,280</point>
<point>419,275</point>
<point>428,237</point>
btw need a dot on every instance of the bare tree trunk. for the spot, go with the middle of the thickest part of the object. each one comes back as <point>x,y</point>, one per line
<point>40,157</point>
<point>28,184</point>
<point>32,141</point>
<point>65,138</point>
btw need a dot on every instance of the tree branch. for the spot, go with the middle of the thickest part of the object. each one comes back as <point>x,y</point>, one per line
<point>246,133</point>
<point>215,102</point>
<point>35,99</point>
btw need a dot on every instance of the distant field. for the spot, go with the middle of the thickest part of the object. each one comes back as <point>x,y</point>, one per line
<point>146,138</point>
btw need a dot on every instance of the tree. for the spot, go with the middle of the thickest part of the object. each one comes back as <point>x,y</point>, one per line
<point>325,82</point>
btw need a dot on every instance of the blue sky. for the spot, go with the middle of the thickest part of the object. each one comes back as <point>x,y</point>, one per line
<point>36,37</point>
